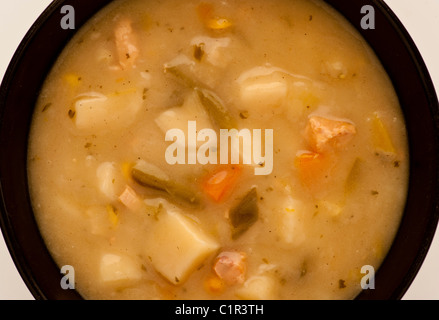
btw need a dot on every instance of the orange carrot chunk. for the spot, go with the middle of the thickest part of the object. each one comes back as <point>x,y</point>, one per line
<point>313,168</point>
<point>221,182</point>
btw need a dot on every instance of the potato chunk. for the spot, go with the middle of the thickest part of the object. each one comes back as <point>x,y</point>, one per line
<point>118,268</point>
<point>177,246</point>
<point>95,112</point>
<point>178,117</point>
<point>263,88</point>
<point>261,287</point>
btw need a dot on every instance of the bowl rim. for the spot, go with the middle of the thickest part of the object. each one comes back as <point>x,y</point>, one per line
<point>14,245</point>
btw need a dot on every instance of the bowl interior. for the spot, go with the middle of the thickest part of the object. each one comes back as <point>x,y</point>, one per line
<point>404,64</point>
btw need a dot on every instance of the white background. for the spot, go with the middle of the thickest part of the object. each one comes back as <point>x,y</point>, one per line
<point>421,19</point>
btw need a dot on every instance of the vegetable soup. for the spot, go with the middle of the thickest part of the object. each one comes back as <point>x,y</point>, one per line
<point>218,150</point>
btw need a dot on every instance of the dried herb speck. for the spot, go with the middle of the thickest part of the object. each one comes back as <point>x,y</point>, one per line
<point>46,106</point>
<point>341,284</point>
<point>199,51</point>
<point>71,113</point>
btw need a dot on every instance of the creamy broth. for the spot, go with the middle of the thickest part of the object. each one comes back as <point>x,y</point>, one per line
<point>130,191</point>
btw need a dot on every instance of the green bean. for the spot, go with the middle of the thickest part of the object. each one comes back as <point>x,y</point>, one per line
<point>244,214</point>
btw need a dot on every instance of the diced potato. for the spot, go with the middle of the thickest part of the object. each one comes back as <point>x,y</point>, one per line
<point>266,87</point>
<point>290,227</point>
<point>213,49</point>
<point>119,268</point>
<point>178,117</point>
<point>95,111</point>
<point>261,287</point>
<point>97,218</point>
<point>303,98</point>
<point>329,208</point>
<point>107,175</point>
<point>262,88</point>
<point>176,246</point>
<point>335,69</point>
<point>267,92</point>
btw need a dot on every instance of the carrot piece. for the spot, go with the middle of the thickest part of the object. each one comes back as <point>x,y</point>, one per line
<point>313,168</point>
<point>221,181</point>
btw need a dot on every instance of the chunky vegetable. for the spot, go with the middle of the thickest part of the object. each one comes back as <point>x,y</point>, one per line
<point>131,199</point>
<point>222,181</point>
<point>244,214</point>
<point>126,43</point>
<point>313,168</point>
<point>230,266</point>
<point>215,108</point>
<point>207,16</point>
<point>176,246</point>
<point>213,105</point>
<point>326,134</point>
<point>380,136</point>
<point>260,287</point>
<point>113,216</point>
<point>150,176</point>
<point>119,268</point>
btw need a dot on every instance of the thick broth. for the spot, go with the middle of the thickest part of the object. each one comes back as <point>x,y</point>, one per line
<point>328,203</point>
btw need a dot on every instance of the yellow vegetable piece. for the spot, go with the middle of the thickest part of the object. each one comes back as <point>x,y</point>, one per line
<point>73,80</point>
<point>353,176</point>
<point>214,285</point>
<point>218,23</point>
<point>112,215</point>
<point>123,92</point>
<point>207,16</point>
<point>380,135</point>
<point>126,170</point>
<point>309,99</point>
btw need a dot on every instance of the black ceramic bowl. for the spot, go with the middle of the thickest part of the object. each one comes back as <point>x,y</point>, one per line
<point>392,44</point>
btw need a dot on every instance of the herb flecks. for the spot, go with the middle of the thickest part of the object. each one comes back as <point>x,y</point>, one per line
<point>341,284</point>
<point>71,113</point>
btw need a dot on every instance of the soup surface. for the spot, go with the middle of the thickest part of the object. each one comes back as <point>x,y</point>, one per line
<point>218,150</point>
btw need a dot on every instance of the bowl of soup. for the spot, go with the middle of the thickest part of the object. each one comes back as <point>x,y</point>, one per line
<point>218,150</point>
